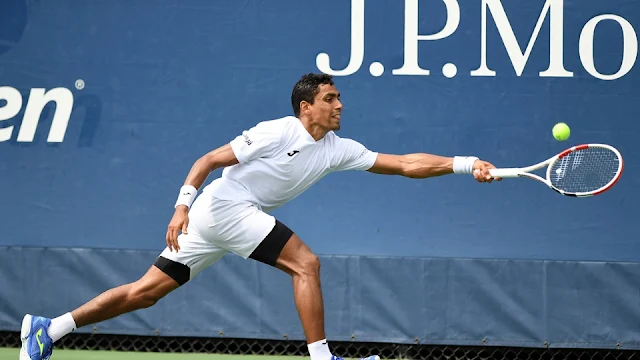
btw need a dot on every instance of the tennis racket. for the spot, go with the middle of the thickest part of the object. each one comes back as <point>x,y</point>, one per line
<point>580,171</point>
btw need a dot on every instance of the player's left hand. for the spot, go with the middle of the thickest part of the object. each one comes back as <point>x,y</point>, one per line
<point>481,171</point>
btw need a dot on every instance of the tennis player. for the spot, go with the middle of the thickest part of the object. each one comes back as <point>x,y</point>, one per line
<point>264,167</point>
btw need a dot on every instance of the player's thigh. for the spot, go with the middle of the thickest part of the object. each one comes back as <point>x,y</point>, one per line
<point>154,284</point>
<point>271,248</point>
<point>197,252</point>
<point>243,229</point>
<point>280,247</point>
<point>195,255</point>
<point>296,258</point>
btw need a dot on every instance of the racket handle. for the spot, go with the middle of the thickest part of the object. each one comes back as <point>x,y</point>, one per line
<point>505,173</point>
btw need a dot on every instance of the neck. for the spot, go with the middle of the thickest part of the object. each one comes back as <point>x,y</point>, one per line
<point>316,131</point>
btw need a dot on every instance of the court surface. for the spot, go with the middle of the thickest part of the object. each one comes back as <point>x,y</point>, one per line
<point>13,354</point>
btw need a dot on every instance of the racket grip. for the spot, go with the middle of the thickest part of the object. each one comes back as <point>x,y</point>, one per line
<point>505,173</point>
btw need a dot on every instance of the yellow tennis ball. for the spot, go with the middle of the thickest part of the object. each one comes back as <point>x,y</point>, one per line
<point>561,131</point>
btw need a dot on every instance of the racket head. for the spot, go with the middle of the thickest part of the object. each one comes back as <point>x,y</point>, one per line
<point>585,170</point>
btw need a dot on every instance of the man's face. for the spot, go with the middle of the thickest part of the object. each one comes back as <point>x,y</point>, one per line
<point>327,108</point>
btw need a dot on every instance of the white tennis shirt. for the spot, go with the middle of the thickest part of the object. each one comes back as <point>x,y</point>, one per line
<point>278,160</point>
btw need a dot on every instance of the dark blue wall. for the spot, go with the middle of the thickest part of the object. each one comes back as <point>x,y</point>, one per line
<point>156,85</point>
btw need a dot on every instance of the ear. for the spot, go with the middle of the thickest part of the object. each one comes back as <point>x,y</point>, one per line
<point>305,107</point>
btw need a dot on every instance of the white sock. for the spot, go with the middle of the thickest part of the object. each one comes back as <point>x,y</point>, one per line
<point>319,350</point>
<point>61,326</point>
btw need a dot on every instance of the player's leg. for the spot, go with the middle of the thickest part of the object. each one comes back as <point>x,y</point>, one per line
<point>297,260</point>
<point>251,233</point>
<point>143,293</point>
<point>170,271</point>
<point>283,249</point>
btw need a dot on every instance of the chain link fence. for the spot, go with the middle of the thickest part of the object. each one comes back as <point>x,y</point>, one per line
<point>298,348</point>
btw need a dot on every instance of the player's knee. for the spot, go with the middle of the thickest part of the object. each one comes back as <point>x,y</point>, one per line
<point>146,301</point>
<point>149,289</point>
<point>142,296</point>
<point>309,265</point>
<point>297,259</point>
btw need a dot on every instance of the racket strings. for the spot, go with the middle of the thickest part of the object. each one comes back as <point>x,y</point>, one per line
<point>585,170</point>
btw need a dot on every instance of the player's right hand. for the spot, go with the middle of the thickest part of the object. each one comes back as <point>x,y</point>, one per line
<point>481,171</point>
<point>180,221</point>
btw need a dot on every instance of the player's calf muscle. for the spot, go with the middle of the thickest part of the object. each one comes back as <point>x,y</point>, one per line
<point>143,293</point>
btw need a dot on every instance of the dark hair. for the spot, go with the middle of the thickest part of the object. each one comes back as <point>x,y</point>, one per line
<point>307,88</point>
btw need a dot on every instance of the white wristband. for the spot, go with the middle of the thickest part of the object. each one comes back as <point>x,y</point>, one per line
<point>463,164</point>
<point>187,195</point>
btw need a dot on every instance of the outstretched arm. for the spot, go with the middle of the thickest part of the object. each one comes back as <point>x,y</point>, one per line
<point>420,166</point>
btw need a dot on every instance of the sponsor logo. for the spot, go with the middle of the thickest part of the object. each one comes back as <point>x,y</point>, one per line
<point>245,135</point>
<point>492,14</point>
<point>12,103</point>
